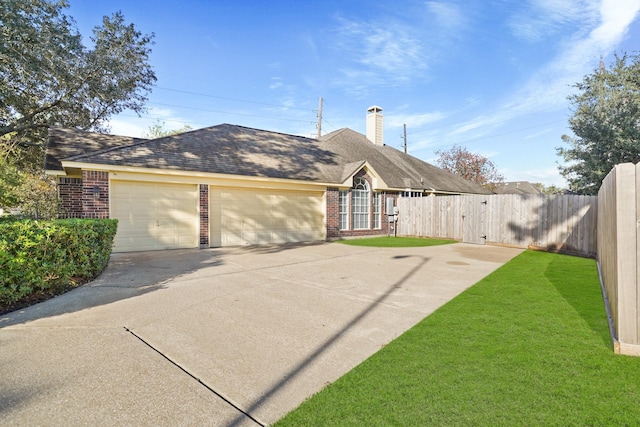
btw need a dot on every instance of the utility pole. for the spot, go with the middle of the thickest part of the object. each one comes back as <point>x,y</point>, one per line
<point>405,138</point>
<point>319,126</point>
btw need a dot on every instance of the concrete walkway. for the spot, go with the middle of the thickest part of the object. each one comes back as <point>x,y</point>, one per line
<point>220,337</point>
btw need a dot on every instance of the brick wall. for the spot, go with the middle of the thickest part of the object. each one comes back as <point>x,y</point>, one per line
<point>204,216</point>
<point>70,193</point>
<point>95,194</point>
<point>333,218</point>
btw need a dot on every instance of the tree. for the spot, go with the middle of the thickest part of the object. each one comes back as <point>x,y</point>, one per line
<point>470,166</point>
<point>548,189</point>
<point>158,130</point>
<point>49,78</point>
<point>605,124</point>
<point>30,194</point>
<point>10,181</point>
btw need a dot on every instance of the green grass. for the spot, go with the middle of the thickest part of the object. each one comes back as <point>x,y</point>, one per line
<point>396,242</point>
<point>528,345</point>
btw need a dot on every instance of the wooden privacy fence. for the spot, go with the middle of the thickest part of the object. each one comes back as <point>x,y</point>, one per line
<point>619,254</point>
<point>565,223</point>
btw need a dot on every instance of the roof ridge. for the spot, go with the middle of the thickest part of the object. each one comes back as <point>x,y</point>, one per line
<point>267,131</point>
<point>335,133</point>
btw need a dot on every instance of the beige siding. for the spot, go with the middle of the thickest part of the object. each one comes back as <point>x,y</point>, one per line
<point>249,216</point>
<point>154,216</point>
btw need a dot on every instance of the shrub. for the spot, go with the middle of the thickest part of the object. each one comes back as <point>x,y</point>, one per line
<point>45,258</point>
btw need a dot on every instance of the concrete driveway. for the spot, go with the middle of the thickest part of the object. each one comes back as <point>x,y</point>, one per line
<point>220,337</point>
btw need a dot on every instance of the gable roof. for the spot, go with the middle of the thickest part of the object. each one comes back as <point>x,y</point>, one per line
<point>399,170</point>
<point>516,187</point>
<point>225,149</point>
<point>238,150</point>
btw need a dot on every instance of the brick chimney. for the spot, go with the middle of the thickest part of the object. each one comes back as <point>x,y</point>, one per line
<point>375,130</point>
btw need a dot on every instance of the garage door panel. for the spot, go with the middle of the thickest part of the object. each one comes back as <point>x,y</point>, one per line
<point>154,216</point>
<point>249,216</point>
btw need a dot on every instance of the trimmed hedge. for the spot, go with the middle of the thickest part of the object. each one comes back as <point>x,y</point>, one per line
<point>45,258</point>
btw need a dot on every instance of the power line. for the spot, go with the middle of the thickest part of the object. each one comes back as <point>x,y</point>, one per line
<point>498,134</point>
<point>164,119</point>
<point>230,99</point>
<point>227,112</point>
<point>327,122</point>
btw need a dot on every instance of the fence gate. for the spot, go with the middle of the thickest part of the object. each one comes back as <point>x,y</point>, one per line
<point>474,214</point>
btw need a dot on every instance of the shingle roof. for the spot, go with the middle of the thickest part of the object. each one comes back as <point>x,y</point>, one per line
<point>65,143</point>
<point>516,187</point>
<point>397,169</point>
<point>227,149</point>
<point>238,150</point>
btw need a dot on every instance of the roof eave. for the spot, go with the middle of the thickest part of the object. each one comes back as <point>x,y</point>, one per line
<point>72,165</point>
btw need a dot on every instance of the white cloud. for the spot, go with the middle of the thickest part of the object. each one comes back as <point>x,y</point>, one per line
<point>161,113</point>
<point>548,88</point>
<point>276,84</point>
<point>540,19</point>
<point>128,124</point>
<point>377,54</point>
<point>481,122</point>
<point>414,120</point>
<point>547,176</point>
<point>447,15</point>
<point>134,127</point>
<point>617,15</point>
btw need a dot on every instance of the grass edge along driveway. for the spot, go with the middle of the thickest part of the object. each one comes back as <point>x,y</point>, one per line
<point>396,242</point>
<point>527,345</point>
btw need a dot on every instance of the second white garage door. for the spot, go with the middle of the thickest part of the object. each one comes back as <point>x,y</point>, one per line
<point>252,217</point>
<point>154,216</point>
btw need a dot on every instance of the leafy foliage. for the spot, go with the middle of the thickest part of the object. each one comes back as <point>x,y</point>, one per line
<point>158,130</point>
<point>470,166</point>
<point>38,197</point>
<point>31,194</point>
<point>49,78</point>
<point>10,180</point>
<point>44,258</point>
<point>605,124</point>
<point>548,189</point>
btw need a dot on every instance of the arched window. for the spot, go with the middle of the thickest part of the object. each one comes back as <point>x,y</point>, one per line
<point>360,204</point>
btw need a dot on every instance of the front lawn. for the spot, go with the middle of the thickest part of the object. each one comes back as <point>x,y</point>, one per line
<point>396,242</point>
<point>527,345</point>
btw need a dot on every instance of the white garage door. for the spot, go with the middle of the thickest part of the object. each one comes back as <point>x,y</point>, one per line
<point>253,217</point>
<point>154,216</point>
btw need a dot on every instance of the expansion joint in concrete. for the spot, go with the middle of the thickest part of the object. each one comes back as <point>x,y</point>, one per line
<point>177,365</point>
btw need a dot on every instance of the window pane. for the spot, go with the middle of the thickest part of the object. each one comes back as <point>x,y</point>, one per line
<point>360,209</point>
<point>343,210</point>
<point>376,210</point>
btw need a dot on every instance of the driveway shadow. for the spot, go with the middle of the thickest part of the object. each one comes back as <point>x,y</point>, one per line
<point>278,247</point>
<point>298,369</point>
<point>127,275</point>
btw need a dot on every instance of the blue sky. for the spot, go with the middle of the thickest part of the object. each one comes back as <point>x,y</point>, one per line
<point>490,75</point>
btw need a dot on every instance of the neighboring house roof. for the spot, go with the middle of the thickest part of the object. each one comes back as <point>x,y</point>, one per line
<point>516,187</point>
<point>238,150</point>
